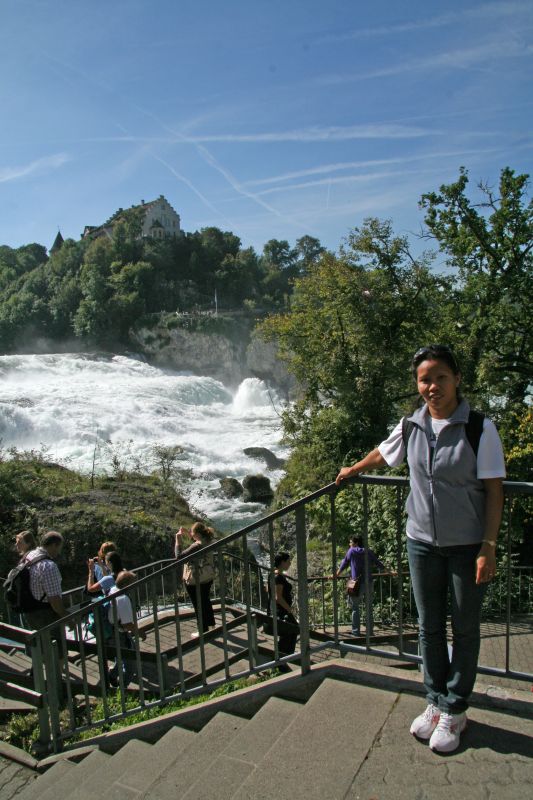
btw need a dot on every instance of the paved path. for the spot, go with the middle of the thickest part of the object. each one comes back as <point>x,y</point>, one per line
<point>493,762</point>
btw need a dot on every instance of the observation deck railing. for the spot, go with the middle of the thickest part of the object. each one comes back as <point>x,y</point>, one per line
<point>63,655</point>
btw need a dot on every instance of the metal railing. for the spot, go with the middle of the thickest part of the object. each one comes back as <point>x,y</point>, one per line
<point>70,667</point>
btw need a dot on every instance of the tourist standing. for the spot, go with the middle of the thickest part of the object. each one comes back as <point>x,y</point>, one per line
<point>199,573</point>
<point>454,512</point>
<point>45,582</point>
<point>355,559</point>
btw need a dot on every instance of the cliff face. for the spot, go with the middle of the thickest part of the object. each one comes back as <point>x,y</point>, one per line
<point>224,347</point>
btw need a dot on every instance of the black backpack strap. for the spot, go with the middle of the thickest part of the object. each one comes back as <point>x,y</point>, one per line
<point>407,429</point>
<point>474,429</point>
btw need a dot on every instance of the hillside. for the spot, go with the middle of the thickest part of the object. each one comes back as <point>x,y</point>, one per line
<point>139,513</point>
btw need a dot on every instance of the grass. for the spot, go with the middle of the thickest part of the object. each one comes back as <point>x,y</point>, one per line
<point>22,730</point>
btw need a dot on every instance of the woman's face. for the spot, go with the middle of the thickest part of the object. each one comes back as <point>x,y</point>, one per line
<point>438,384</point>
<point>284,566</point>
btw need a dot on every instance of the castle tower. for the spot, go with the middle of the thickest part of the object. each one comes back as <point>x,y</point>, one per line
<point>58,243</point>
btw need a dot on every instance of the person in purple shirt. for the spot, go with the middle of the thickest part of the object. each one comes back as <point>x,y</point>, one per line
<point>355,559</point>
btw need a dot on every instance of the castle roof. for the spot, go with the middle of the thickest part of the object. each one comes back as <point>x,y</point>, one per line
<point>58,241</point>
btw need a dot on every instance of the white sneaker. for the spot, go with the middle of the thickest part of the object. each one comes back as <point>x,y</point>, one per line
<point>424,725</point>
<point>195,635</point>
<point>447,734</point>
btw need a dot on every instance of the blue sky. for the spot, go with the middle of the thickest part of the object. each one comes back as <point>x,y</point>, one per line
<point>271,119</point>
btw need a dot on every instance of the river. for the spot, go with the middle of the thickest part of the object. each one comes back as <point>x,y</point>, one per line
<point>84,407</point>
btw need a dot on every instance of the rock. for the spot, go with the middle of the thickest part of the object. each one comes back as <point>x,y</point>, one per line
<point>257,489</point>
<point>270,459</point>
<point>230,487</point>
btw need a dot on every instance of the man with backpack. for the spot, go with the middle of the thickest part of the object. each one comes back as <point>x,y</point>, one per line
<point>44,602</point>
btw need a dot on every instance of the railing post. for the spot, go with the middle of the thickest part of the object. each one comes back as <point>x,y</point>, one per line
<point>53,686</point>
<point>333,529</point>
<point>272,593</point>
<point>509,587</point>
<point>303,589</point>
<point>399,566</point>
<point>40,686</point>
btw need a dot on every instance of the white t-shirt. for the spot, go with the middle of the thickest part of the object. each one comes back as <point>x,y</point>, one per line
<point>490,458</point>
<point>124,608</point>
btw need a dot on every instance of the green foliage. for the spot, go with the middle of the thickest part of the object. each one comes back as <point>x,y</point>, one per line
<point>491,244</point>
<point>139,513</point>
<point>349,337</point>
<point>97,290</point>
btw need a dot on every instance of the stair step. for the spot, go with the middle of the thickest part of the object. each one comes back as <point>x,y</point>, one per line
<point>188,770</point>
<point>100,780</point>
<point>241,755</point>
<point>320,752</point>
<point>140,774</point>
<point>73,777</point>
<point>44,782</point>
<point>262,730</point>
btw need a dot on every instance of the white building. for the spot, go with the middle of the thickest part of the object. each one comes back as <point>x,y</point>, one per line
<point>160,221</point>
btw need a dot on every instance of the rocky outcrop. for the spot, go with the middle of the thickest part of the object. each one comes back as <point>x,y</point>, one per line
<point>224,347</point>
<point>257,489</point>
<point>230,487</point>
<point>266,455</point>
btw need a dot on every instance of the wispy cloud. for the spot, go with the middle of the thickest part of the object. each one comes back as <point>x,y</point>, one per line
<point>452,59</point>
<point>484,11</point>
<point>329,181</point>
<point>188,183</point>
<point>332,133</point>
<point>326,169</point>
<point>38,166</point>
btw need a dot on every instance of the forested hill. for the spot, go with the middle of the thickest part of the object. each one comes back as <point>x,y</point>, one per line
<point>93,291</point>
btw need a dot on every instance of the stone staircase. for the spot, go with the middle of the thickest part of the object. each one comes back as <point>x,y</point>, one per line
<point>286,749</point>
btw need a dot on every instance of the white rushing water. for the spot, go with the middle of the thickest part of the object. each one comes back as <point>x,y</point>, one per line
<point>78,406</point>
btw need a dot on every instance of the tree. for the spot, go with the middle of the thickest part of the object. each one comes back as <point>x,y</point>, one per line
<point>309,251</point>
<point>353,325</point>
<point>491,244</point>
<point>92,319</point>
<point>278,265</point>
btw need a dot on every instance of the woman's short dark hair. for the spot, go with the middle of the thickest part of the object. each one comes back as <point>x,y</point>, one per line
<point>279,558</point>
<point>357,540</point>
<point>115,562</point>
<point>436,352</point>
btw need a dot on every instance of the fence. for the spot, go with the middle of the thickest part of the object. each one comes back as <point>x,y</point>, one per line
<point>68,664</point>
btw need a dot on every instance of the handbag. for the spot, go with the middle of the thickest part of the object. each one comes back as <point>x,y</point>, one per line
<point>352,587</point>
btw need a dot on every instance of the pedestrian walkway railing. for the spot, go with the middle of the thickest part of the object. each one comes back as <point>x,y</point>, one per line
<point>70,666</point>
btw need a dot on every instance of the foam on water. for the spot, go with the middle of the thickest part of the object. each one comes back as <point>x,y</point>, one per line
<point>72,404</point>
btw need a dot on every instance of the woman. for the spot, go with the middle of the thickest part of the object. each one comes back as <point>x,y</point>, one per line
<point>199,573</point>
<point>287,622</point>
<point>25,542</point>
<point>454,512</point>
<point>355,559</point>
<point>106,582</point>
<point>100,568</point>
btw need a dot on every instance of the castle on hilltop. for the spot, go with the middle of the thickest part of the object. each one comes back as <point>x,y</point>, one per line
<point>159,221</point>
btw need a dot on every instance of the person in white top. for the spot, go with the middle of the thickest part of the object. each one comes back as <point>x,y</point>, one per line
<point>454,511</point>
<point>121,614</point>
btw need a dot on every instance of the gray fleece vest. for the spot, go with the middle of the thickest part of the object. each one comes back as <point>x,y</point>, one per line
<point>446,504</point>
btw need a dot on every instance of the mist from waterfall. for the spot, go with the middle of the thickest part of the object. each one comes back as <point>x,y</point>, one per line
<point>84,406</point>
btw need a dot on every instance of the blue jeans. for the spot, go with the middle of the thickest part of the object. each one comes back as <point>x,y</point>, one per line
<point>437,572</point>
<point>365,590</point>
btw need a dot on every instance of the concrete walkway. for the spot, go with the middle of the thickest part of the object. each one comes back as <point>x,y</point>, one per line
<point>340,733</point>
